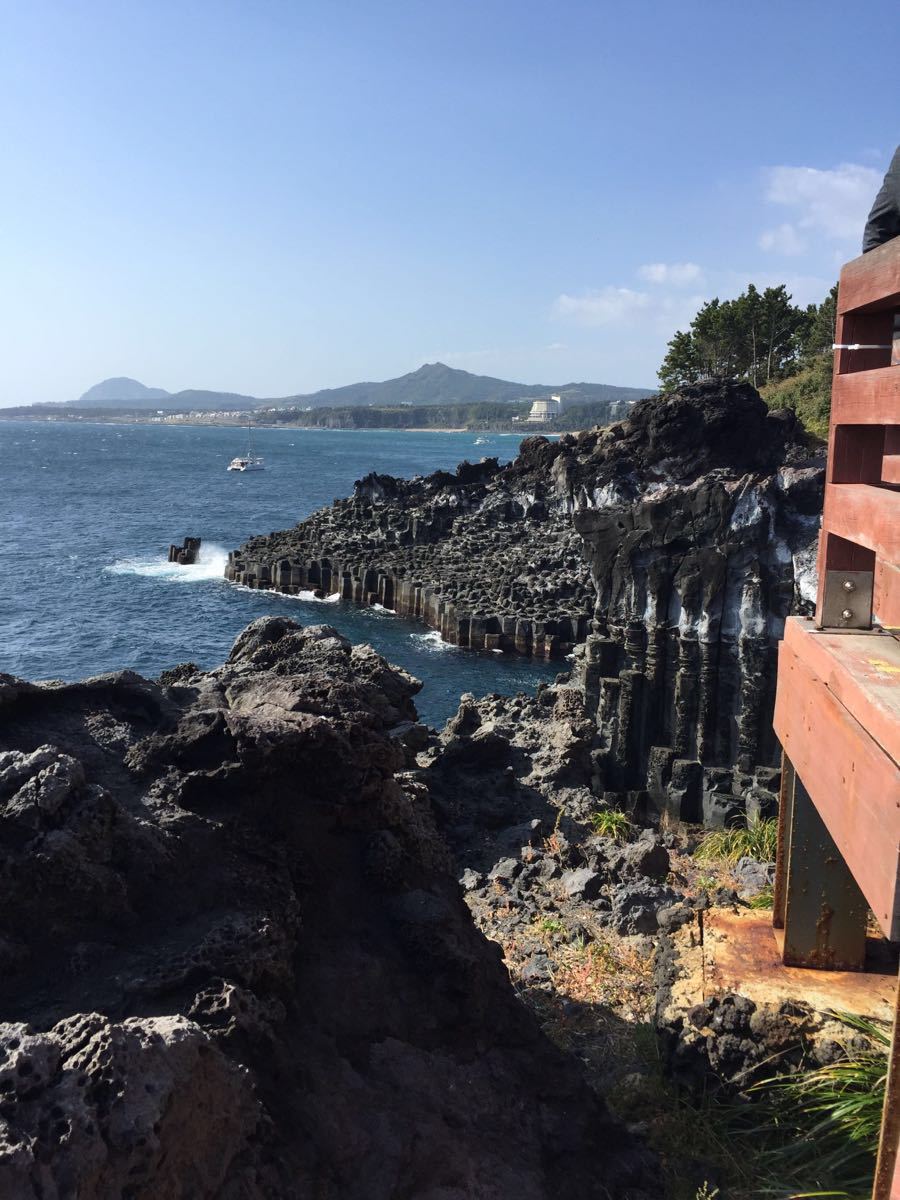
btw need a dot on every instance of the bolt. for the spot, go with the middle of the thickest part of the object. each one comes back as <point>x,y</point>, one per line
<point>847,614</point>
<point>848,585</point>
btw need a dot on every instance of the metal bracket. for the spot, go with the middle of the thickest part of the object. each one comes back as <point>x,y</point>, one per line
<point>847,600</point>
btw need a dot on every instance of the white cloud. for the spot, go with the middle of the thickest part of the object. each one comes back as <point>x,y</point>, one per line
<point>830,204</point>
<point>677,274</point>
<point>556,346</point>
<point>604,306</point>
<point>783,240</point>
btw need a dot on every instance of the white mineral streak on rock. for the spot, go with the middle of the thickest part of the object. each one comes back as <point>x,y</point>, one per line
<point>752,615</point>
<point>607,496</point>
<point>806,576</point>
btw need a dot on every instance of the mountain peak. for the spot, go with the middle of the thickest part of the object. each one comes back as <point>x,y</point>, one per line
<point>120,389</point>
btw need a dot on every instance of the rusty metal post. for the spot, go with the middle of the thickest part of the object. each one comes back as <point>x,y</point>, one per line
<point>825,913</point>
<point>887,1172</point>
<point>783,853</point>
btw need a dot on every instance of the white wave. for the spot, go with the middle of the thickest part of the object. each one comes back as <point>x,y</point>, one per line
<point>312,598</point>
<point>211,566</point>
<point>431,641</point>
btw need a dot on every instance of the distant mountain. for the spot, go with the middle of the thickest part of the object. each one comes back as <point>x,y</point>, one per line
<point>433,383</point>
<point>114,393</point>
<point>436,383</point>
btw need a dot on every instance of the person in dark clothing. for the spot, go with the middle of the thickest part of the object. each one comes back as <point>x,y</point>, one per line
<point>884,219</point>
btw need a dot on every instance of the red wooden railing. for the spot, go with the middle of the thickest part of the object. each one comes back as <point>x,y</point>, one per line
<point>837,710</point>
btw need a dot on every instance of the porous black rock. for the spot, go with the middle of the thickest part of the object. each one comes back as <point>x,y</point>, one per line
<point>235,959</point>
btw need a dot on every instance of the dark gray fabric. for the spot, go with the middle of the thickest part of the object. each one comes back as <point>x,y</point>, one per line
<point>884,219</point>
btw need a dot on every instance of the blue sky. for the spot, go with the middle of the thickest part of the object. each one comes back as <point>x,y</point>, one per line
<point>271,197</point>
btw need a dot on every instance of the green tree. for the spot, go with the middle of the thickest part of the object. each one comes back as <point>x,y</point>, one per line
<point>759,336</point>
<point>682,363</point>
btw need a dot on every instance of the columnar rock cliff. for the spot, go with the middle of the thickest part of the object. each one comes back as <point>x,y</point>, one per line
<point>235,962</point>
<point>669,548</point>
<point>491,567</point>
<point>701,539</point>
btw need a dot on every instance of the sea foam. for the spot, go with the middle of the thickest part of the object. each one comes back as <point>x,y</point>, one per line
<point>211,566</point>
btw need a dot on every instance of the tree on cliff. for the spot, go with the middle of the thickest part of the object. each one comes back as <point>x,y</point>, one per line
<point>759,336</point>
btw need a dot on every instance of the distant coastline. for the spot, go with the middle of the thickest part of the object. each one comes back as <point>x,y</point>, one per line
<point>521,430</point>
<point>478,418</point>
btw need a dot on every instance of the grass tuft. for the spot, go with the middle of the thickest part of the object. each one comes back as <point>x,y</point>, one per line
<point>764,899</point>
<point>610,822</point>
<point>831,1114</point>
<point>758,840</point>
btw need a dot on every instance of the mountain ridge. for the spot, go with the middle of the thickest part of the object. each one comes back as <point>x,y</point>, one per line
<point>430,384</point>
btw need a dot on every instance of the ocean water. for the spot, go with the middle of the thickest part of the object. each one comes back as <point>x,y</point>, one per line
<point>87,512</point>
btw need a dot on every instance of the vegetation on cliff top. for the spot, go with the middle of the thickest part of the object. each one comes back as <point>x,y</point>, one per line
<point>765,339</point>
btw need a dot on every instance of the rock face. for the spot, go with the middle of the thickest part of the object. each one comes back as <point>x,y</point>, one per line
<point>703,544</point>
<point>235,961</point>
<point>490,566</point>
<point>669,548</point>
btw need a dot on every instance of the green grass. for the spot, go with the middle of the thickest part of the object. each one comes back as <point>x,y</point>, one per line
<point>808,393</point>
<point>763,899</point>
<point>758,840</point>
<point>813,1133</point>
<point>819,1128</point>
<point>610,822</point>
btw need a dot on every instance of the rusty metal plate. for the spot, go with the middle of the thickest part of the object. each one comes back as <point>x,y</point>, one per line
<point>847,600</point>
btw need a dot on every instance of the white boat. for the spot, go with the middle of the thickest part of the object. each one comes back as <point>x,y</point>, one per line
<point>480,441</point>
<point>248,461</point>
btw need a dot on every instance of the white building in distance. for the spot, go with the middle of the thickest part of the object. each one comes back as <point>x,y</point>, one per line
<point>546,410</point>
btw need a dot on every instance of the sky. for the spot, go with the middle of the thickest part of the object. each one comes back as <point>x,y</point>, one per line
<point>274,196</point>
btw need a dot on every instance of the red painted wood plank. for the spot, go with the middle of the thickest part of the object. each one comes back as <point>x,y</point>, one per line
<point>887,594</point>
<point>890,466</point>
<point>865,514</point>
<point>866,397</point>
<point>861,670</point>
<point>872,280</point>
<point>874,330</point>
<point>858,453</point>
<point>854,785</point>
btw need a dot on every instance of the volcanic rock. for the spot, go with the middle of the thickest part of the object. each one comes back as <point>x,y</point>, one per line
<point>235,960</point>
<point>666,549</point>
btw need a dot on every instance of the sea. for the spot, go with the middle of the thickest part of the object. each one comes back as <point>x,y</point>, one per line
<point>88,510</point>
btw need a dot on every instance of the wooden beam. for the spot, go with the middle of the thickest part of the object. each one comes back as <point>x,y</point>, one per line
<point>887,594</point>
<point>871,281</point>
<point>865,514</point>
<point>866,397</point>
<point>862,672</point>
<point>853,783</point>
<point>890,464</point>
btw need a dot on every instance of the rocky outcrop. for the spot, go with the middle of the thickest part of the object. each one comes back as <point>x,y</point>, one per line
<point>235,960</point>
<point>187,553</point>
<point>669,548</point>
<point>490,567</point>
